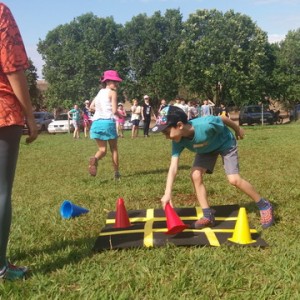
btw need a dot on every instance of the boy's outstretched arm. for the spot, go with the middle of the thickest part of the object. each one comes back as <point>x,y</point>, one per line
<point>167,197</point>
<point>239,132</point>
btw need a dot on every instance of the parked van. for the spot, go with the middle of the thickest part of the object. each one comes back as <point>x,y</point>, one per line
<point>253,114</point>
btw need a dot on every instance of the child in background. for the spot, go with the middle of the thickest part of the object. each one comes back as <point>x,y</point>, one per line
<point>163,104</point>
<point>121,120</point>
<point>75,115</point>
<point>208,137</point>
<point>223,111</point>
<point>206,108</point>
<point>136,111</point>
<point>103,128</point>
<point>87,117</point>
<point>193,110</point>
<point>146,113</point>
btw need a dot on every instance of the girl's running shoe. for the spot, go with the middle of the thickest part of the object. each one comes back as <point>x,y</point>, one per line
<point>205,222</point>
<point>93,163</point>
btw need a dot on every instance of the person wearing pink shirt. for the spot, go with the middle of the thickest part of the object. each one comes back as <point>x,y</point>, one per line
<point>121,120</point>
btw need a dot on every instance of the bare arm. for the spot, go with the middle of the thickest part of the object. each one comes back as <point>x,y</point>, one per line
<point>170,181</point>
<point>210,103</point>
<point>142,112</point>
<point>113,97</point>
<point>153,113</point>
<point>92,106</point>
<point>239,132</point>
<point>19,85</point>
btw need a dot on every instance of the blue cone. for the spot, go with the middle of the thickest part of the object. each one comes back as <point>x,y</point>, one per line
<point>69,210</point>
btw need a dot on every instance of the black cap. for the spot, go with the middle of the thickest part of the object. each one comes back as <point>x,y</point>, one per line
<point>169,116</point>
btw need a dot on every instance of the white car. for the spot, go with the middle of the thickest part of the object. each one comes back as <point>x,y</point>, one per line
<point>61,124</point>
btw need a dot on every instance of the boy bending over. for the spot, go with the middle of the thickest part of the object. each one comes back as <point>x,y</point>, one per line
<point>208,137</point>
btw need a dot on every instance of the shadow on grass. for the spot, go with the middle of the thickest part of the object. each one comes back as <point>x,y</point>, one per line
<point>157,171</point>
<point>56,259</point>
<point>146,172</point>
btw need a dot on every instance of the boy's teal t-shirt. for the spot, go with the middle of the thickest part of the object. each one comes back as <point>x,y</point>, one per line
<point>211,135</point>
<point>75,114</point>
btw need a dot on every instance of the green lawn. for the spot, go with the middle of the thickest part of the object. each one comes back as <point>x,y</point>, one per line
<point>54,168</point>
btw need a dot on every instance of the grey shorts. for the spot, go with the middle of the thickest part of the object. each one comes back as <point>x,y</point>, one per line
<point>208,161</point>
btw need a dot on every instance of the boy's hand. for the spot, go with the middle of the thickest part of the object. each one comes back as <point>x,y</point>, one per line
<point>239,133</point>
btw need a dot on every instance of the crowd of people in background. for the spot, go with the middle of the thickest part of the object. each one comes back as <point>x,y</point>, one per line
<point>143,111</point>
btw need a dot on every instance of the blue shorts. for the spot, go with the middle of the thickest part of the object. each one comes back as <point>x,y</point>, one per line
<point>104,129</point>
<point>135,122</point>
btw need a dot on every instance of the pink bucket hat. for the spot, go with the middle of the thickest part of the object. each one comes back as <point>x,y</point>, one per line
<point>110,75</point>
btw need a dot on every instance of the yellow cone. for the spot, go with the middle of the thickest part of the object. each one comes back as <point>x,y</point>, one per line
<point>241,234</point>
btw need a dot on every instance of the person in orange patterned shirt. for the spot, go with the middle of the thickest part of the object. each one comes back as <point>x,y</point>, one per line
<point>15,105</point>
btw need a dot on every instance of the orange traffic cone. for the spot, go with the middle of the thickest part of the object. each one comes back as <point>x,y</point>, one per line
<point>174,223</point>
<point>122,219</point>
<point>241,234</point>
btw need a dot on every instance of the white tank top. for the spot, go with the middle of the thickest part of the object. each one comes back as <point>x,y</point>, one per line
<point>103,106</point>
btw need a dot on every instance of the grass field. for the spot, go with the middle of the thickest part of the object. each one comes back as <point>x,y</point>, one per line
<point>54,168</point>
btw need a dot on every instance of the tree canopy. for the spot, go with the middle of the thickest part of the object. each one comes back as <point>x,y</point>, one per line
<point>222,56</point>
<point>35,94</point>
<point>76,54</point>
<point>287,69</point>
<point>151,45</point>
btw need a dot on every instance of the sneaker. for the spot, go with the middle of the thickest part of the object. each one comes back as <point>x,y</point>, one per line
<point>117,175</point>
<point>93,163</point>
<point>205,222</point>
<point>267,216</point>
<point>13,272</point>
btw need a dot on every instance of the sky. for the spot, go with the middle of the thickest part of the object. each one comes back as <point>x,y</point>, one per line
<point>36,18</point>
